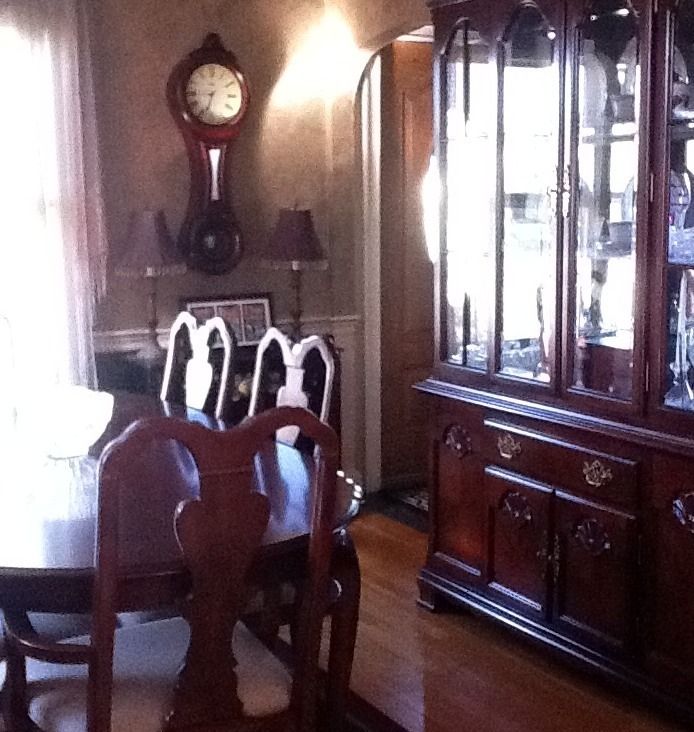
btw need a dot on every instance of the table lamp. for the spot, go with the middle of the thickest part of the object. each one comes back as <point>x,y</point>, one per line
<point>150,253</point>
<point>294,245</point>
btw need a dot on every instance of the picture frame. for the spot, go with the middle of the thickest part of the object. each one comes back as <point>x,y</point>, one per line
<point>247,316</point>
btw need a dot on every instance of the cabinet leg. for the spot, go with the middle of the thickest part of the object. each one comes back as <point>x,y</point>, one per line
<point>430,599</point>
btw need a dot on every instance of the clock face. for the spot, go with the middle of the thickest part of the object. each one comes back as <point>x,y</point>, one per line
<point>213,94</point>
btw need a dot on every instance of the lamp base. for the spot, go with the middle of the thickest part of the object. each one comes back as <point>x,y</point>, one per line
<point>295,312</point>
<point>151,351</point>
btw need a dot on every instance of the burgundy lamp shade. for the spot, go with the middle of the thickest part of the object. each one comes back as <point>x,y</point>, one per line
<point>294,243</point>
<point>150,250</point>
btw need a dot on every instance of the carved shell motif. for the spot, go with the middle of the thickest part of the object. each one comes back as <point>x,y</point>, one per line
<point>457,439</point>
<point>683,510</point>
<point>515,506</point>
<point>591,536</point>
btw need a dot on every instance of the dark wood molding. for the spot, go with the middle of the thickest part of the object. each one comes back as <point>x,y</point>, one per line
<point>554,414</point>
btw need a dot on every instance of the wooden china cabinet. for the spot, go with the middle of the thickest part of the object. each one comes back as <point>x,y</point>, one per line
<point>561,398</point>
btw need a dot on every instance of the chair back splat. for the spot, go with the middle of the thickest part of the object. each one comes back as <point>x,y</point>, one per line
<point>191,356</point>
<point>219,536</point>
<point>295,391</point>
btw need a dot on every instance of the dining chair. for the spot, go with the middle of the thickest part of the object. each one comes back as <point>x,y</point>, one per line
<point>207,671</point>
<point>309,375</point>
<point>191,356</point>
<point>294,391</point>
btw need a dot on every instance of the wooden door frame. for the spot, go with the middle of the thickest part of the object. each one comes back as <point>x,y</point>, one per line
<point>368,106</point>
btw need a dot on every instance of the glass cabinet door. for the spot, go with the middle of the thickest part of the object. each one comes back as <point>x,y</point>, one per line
<point>605,153</point>
<point>468,145</point>
<point>529,144</point>
<point>679,374</point>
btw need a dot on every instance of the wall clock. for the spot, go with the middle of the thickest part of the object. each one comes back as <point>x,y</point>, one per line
<point>208,98</point>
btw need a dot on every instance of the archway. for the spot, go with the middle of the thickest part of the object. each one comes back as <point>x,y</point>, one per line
<point>396,298</point>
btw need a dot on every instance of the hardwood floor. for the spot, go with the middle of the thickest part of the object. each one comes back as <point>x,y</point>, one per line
<point>454,672</point>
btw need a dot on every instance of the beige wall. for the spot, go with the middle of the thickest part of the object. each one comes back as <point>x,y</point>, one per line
<point>303,153</point>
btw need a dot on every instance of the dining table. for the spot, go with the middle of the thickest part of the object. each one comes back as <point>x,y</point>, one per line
<point>48,509</point>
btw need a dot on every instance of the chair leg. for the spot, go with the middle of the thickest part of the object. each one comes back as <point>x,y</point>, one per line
<point>343,630</point>
<point>269,627</point>
<point>14,693</point>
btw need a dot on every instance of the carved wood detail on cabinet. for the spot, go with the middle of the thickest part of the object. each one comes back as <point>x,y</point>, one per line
<point>515,507</point>
<point>457,439</point>
<point>591,536</point>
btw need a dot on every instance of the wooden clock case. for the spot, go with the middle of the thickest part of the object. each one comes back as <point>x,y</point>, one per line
<point>210,238</point>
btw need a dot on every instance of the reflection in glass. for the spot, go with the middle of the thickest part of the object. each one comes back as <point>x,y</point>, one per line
<point>606,186</point>
<point>470,94</point>
<point>679,363</point>
<point>529,144</point>
<point>680,393</point>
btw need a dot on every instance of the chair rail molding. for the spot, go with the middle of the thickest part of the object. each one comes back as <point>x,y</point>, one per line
<point>347,331</point>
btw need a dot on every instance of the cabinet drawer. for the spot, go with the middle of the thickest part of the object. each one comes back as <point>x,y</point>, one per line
<point>554,461</point>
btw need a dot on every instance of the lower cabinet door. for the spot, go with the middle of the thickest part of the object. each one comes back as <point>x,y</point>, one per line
<point>670,650</point>
<point>594,565</point>
<point>517,540</point>
<point>458,501</point>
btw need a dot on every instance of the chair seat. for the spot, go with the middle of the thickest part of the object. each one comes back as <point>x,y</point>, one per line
<point>147,658</point>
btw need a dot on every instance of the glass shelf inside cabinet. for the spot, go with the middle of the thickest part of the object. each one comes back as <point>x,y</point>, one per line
<point>605,184</point>
<point>469,93</point>
<point>679,330</point>
<point>529,143</point>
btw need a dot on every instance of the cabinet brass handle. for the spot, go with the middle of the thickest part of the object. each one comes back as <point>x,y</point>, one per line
<point>555,558</point>
<point>560,192</point>
<point>596,474</point>
<point>543,554</point>
<point>508,446</point>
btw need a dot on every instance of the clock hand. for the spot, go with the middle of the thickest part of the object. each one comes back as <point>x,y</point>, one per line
<point>209,103</point>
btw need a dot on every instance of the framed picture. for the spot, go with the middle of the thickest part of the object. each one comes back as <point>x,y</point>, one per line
<point>248,317</point>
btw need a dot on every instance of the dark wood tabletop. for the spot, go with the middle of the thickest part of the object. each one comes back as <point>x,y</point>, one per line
<point>48,510</point>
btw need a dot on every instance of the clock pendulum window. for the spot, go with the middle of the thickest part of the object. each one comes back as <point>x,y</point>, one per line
<point>208,98</point>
